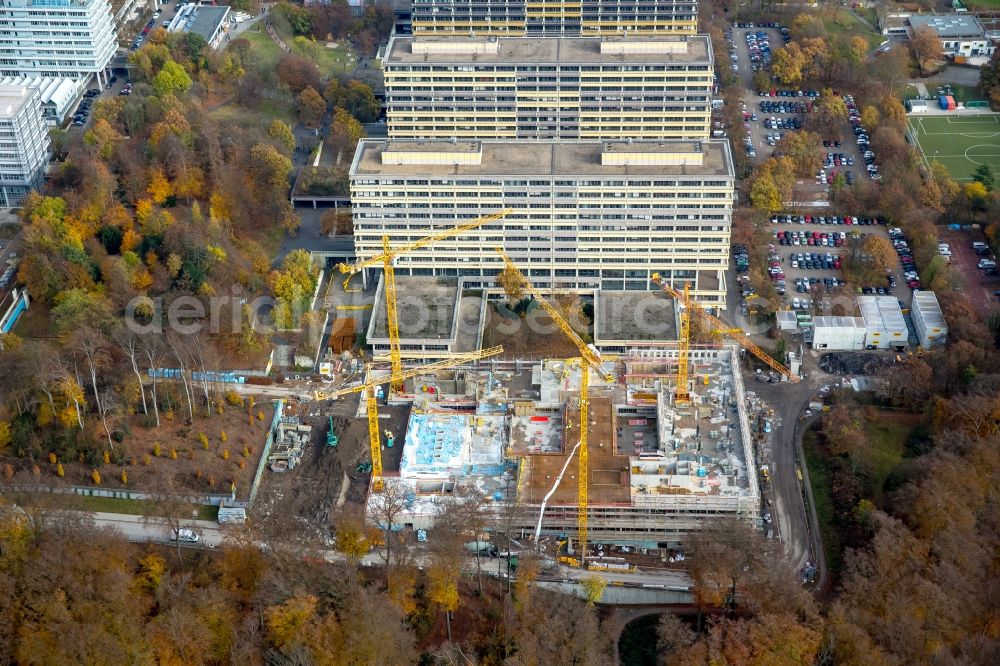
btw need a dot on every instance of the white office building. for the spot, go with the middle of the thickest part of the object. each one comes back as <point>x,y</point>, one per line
<point>24,143</point>
<point>584,215</point>
<point>56,38</point>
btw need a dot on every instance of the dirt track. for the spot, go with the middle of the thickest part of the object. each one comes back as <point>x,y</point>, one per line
<point>314,489</point>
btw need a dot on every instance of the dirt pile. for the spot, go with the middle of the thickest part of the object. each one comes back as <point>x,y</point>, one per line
<point>855,363</point>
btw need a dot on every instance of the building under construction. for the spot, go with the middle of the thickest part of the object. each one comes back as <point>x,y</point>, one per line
<point>656,467</point>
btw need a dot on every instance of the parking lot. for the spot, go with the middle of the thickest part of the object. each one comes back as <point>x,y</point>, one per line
<point>769,116</point>
<point>806,235</point>
<point>980,285</point>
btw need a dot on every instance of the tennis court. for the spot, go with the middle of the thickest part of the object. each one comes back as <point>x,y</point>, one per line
<point>960,143</point>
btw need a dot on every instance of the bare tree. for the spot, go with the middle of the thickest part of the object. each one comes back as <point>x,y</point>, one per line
<point>154,351</point>
<point>384,509</point>
<point>178,346</point>
<point>131,344</point>
<point>89,344</point>
<point>47,513</point>
<point>109,408</point>
<point>171,510</point>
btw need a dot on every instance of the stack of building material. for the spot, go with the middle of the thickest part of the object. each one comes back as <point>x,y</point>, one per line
<point>342,335</point>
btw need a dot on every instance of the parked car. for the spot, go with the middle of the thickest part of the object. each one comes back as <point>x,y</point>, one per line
<point>185,535</point>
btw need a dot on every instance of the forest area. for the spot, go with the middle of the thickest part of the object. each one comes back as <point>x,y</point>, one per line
<point>154,248</point>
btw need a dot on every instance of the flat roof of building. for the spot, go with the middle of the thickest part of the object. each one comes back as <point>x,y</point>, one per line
<point>634,316</point>
<point>950,25</point>
<point>543,158</point>
<point>533,50</point>
<point>425,306</point>
<point>838,322</point>
<point>13,98</point>
<point>930,310</point>
<point>203,20</point>
<point>881,313</point>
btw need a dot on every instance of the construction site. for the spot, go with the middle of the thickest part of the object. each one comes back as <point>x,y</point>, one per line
<point>512,431</point>
<point>631,440</point>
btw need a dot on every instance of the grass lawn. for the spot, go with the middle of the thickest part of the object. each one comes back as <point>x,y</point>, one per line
<point>263,112</point>
<point>819,480</point>
<point>266,52</point>
<point>337,60</point>
<point>960,143</point>
<point>842,21</point>
<point>127,506</point>
<point>887,433</point>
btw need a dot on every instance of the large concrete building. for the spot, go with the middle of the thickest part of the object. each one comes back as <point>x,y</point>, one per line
<point>585,215</point>
<point>56,38</point>
<point>541,88</point>
<point>24,143</point>
<point>551,18</point>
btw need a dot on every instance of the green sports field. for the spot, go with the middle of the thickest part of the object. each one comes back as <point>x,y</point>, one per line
<point>960,143</point>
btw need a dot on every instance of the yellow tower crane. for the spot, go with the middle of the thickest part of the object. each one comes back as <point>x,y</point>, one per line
<point>683,343</point>
<point>386,260</point>
<point>370,387</point>
<point>590,359</point>
<point>720,327</point>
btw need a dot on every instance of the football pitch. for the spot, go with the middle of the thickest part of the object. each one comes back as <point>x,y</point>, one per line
<point>960,143</point>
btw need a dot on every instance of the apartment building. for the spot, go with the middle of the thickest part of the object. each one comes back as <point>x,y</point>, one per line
<point>24,143</point>
<point>543,88</point>
<point>56,38</point>
<point>586,215</point>
<point>554,18</point>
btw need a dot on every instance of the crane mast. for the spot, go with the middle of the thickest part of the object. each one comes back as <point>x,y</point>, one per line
<point>590,359</point>
<point>386,260</point>
<point>683,344</point>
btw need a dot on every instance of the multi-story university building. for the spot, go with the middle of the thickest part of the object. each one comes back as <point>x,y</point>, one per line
<point>542,88</point>
<point>585,215</point>
<point>24,143</point>
<point>554,17</point>
<point>56,38</point>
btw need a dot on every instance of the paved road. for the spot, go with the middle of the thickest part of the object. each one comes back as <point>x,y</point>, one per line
<point>789,402</point>
<point>135,529</point>
<point>213,535</point>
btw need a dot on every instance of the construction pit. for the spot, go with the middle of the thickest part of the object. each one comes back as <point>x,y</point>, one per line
<point>511,430</point>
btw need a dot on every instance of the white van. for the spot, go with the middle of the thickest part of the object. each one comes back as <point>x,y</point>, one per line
<point>987,263</point>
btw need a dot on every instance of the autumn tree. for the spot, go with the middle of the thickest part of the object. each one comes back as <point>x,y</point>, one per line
<point>311,106</point>
<point>292,285</point>
<point>869,117</point>
<point>926,48</point>
<point>788,63</point>
<point>764,193</point>
<point>269,172</point>
<point>356,97</point>
<point>282,134</point>
<point>829,110</point>
<point>171,79</point>
<point>345,131</point>
<point>383,510</point>
<point>512,283</point>
<point>170,510</point>
<point>804,150</point>
<point>868,260</point>
<point>297,74</point>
